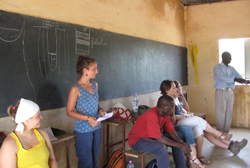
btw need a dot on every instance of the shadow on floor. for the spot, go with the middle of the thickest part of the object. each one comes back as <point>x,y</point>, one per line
<point>221,158</point>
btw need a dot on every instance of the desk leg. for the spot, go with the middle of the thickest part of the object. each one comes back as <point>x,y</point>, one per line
<point>107,142</point>
<point>123,145</point>
<point>67,143</point>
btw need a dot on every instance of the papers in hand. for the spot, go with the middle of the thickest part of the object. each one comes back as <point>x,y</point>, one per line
<point>105,117</point>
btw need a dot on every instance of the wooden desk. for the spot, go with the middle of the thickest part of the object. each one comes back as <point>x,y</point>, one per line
<point>65,138</point>
<point>123,125</point>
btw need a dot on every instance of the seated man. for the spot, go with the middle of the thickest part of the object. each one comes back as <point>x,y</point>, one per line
<point>145,136</point>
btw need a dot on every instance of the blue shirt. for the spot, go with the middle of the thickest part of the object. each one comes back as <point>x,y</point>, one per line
<point>178,110</point>
<point>87,104</point>
<point>224,76</point>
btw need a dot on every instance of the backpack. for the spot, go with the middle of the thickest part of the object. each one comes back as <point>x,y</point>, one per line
<point>152,164</point>
<point>142,109</point>
<point>115,160</point>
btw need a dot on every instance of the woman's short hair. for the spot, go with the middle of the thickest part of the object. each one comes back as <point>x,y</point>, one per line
<point>165,85</point>
<point>83,62</point>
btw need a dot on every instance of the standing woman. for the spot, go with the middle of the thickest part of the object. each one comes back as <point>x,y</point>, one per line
<point>27,146</point>
<point>83,106</point>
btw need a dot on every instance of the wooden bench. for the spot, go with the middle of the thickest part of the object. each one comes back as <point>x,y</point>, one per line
<point>139,155</point>
<point>123,139</point>
<point>136,154</point>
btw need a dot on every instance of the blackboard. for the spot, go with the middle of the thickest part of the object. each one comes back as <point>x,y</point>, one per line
<point>38,56</point>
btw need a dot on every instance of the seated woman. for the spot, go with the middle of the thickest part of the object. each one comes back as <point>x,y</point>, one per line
<point>199,125</point>
<point>233,146</point>
<point>27,146</point>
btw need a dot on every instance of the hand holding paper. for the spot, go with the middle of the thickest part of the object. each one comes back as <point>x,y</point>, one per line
<point>105,117</point>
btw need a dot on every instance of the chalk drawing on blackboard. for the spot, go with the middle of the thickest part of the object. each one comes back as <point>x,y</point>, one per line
<point>25,63</point>
<point>82,41</point>
<point>9,35</point>
<point>50,39</point>
<point>52,43</point>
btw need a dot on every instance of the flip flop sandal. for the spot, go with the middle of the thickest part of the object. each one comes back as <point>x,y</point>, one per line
<point>192,164</point>
<point>205,161</point>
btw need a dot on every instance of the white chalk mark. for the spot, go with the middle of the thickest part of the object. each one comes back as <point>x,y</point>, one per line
<point>25,63</point>
<point>52,56</point>
<point>52,59</point>
<point>82,41</point>
<point>9,35</point>
<point>68,47</point>
<point>38,53</point>
<point>98,42</point>
<point>65,47</point>
<point>59,53</point>
<point>44,57</point>
<point>49,41</point>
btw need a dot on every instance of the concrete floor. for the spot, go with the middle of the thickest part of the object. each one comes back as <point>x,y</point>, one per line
<point>220,158</point>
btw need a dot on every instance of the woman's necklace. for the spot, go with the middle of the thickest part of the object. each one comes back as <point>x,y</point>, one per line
<point>88,87</point>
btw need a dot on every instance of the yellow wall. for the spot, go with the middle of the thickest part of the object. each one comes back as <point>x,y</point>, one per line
<point>204,26</point>
<point>159,20</point>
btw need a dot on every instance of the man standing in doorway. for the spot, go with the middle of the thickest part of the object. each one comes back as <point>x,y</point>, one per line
<point>225,77</point>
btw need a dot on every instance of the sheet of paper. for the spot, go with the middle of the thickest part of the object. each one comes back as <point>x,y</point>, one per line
<point>107,116</point>
<point>50,133</point>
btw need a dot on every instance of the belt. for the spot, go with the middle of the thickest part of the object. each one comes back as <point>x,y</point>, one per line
<point>223,89</point>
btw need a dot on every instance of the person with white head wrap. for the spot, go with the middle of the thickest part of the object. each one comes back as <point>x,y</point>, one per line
<point>28,146</point>
<point>25,111</point>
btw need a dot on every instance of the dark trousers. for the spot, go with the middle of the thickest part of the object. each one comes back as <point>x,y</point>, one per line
<point>161,152</point>
<point>88,146</point>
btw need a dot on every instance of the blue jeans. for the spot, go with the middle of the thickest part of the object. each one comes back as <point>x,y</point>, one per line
<point>88,146</point>
<point>161,152</point>
<point>185,133</point>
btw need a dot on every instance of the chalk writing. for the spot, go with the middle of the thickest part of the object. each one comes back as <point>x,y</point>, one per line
<point>82,41</point>
<point>97,41</point>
